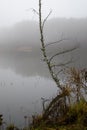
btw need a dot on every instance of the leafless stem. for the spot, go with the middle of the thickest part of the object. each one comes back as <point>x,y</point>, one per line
<point>59,41</point>
<point>35,11</point>
<point>62,52</point>
<point>46,18</point>
<point>62,64</point>
<point>43,46</point>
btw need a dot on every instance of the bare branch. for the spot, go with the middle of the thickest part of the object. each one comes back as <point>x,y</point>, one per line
<point>59,41</point>
<point>43,102</point>
<point>61,70</point>
<point>62,64</point>
<point>62,52</point>
<point>35,11</point>
<point>43,46</point>
<point>46,18</point>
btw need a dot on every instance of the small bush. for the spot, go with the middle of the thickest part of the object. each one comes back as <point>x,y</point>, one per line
<point>77,113</point>
<point>10,127</point>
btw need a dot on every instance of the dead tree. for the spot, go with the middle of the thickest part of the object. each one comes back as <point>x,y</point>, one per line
<point>49,61</point>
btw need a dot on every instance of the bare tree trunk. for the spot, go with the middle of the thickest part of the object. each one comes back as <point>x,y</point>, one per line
<point>54,77</point>
<point>49,61</point>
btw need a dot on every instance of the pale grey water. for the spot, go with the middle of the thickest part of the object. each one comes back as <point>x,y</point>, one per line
<point>24,80</point>
<point>20,94</point>
<point>24,77</point>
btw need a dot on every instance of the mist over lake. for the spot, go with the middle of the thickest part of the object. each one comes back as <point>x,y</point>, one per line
<point>24,77</point>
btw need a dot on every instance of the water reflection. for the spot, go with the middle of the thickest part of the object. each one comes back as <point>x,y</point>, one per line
<point>21,96</point>
<point>24,77</point>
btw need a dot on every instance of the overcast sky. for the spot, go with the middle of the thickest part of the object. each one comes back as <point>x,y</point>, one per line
<point>12,11</point>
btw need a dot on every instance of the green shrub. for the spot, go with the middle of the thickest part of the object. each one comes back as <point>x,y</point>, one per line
<point>10,127</point>
<point>78,113</point>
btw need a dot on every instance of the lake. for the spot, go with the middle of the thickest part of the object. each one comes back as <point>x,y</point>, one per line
<point>23,82</point>
<point>24,77</point>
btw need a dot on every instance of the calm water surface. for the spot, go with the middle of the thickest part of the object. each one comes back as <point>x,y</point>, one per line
<point>22,84</point>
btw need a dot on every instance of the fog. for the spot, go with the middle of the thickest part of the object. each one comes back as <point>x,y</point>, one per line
<point>12,11</point>
<point>24,76</point>
<point>20,48</point>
